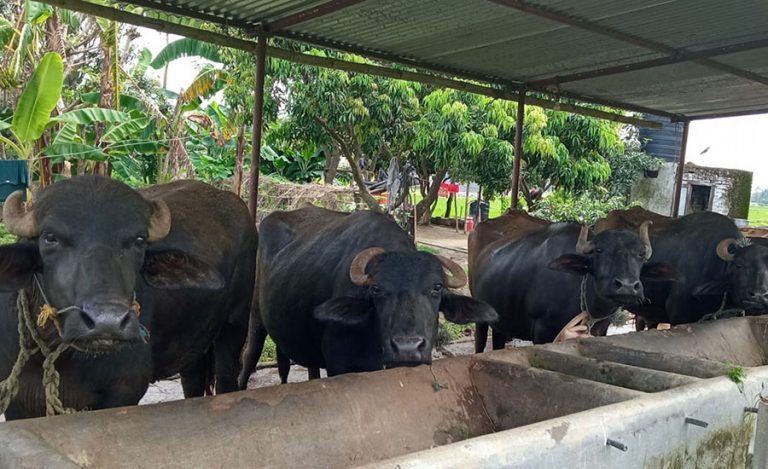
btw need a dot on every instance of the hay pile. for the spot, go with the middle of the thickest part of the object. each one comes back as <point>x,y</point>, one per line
<point>277,194</point>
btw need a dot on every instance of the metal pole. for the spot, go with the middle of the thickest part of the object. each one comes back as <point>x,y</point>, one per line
<point>518,150</point>
<point>258,123</point>
<point>680,169</point>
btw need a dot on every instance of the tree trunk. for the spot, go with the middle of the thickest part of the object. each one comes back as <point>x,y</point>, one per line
<point>357,175</point>
<point>423,207</point>
<point>332,158</point>
<point>107,85</point>
<point>237,177</point>
<point>448,205</point>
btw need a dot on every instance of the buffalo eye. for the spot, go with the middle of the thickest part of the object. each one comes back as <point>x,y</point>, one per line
<point>738,265</point>
<point>437,289</point>
<point>374,290</point>
<point>50,239</point>
<point>140,241</point>
<point>598,250</point>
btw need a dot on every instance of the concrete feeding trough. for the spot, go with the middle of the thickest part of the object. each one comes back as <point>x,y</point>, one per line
<point>684,397</point>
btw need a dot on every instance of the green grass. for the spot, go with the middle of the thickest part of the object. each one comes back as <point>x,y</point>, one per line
<point>758,215</point>
<point>496,208</point>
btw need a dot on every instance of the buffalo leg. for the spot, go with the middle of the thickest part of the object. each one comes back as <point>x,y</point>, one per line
<point>498,338</point>
<point>481,336</point>
<point>195,377</point>
<point>314,373</point>
<point>252,353</point>
<point>227,348</point>
<point>283,366</point>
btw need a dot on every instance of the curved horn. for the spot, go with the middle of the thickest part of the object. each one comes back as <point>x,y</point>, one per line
<point>159,222</point>
<point>17,219</point>
<point>583,246</point>
<point>646,239</point>
<point>722,249</point>
<point>360,262</point>
<point>458,277</point>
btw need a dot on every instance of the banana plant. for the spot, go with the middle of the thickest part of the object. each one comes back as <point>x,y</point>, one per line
<point>32,117</point>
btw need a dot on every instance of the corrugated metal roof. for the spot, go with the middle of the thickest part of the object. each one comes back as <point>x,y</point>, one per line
<point>518,44</point>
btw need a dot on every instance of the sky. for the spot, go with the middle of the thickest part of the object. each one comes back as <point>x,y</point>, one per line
<point>734,142</point>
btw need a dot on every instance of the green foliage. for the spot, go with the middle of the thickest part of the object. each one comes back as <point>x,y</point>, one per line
<point>5,236</point>
<point>296,166</point>
<point>449,332</point>
<point>33,111</point>
<point>186,47</point>
<point>269,353</point>
<point>737,375</point>
<point>584,208</point>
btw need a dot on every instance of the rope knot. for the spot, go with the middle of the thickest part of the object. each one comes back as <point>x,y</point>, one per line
<point>47,312</point>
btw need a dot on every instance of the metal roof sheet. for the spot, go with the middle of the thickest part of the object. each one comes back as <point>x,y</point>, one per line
<point>521,42</point>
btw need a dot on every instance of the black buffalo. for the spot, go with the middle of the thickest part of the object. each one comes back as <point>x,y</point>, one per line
<point>350,292</point>
<point>720,269</point>
<point>523,266</point>
<point>147,283</point>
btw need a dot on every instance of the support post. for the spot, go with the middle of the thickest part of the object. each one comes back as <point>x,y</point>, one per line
<point>258,124</point>
<point>518,150</point>
<point>680,169</point>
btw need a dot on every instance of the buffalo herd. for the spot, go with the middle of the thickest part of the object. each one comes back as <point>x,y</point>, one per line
<point>131,286</point>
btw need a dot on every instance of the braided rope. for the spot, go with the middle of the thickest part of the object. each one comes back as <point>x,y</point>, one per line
<point>30,343</point>
<point>9,387</point>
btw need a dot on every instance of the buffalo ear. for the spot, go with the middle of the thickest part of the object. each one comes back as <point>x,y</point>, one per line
<point>17,264</point>
<point>346,310</point>
<point>712,288</point>
<point>176,269</point>
<point>573,263</point>
<point>660,272</point>
<point>461,309</point>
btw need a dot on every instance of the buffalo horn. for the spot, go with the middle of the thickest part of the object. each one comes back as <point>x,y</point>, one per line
<point>17,219</point>
<point>583,246</point>
<point>159,222</point>
<point>646,239</point>
<point>360,262</point>
<point>722,249</point>
<point>458,278</point>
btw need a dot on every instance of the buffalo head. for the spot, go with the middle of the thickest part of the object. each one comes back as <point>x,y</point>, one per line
<point>87,241</point>
<point>404,291</point>
<point>746,274</point>
<point>616,261</point>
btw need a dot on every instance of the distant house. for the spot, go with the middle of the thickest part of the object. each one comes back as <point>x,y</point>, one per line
<point>720,190</point>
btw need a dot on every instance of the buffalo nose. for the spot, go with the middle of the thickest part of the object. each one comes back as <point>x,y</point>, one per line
<point>409,348</point>
<point>100,322</point>
<point>625,286</point>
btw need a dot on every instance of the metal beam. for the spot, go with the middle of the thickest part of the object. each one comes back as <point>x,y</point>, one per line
<point>200,15</point>
<point>680,170</point>
<point>328,62</point>
<point>310,14</point>
<point>258,124</point>
<point>518,151</point>
<point>684,56</point>
<point>719,115</point>
<point>587,25</point>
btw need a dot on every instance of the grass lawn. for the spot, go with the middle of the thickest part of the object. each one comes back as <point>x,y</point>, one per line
<point>758,215</point>
<point>495,208</point>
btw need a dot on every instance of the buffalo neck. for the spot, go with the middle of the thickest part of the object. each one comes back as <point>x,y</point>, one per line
<point>598,306</point>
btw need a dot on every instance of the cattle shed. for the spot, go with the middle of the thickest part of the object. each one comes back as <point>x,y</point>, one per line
<point>678,59</point>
